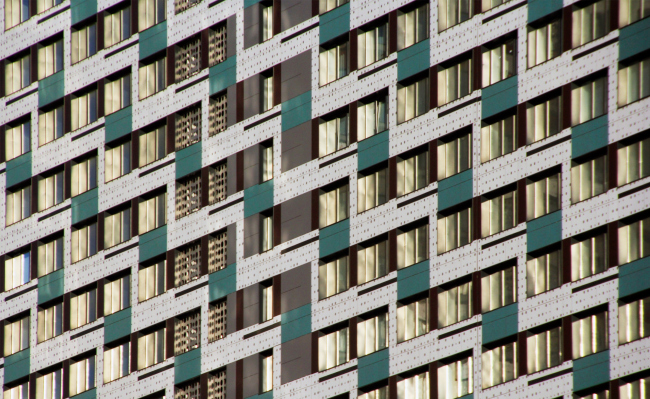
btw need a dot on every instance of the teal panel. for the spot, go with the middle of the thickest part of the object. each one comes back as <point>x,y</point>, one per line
<point>373,150</point>
<point>51,286</point>
<point>413,279</point>
<point>334,23</point>
<point>265,395</point>
<point>85,205</point>
<point>470,396</point>
<point>223,282</point>
<point>187,366</point>
<point>248,3</point>
<point>634,277</point>
<point>334,238</point>
<point>541,8</point>
<point>153,40</point>
<point>118,124</point>
<point>258,198</point>
<point>544,231</point>
<point>413,59</point>
<point>19,169</point>
<point>17,366</point>
<point>117,325</point>
<point>82,9</point>
<point>89,394</point>
<point>591,370</point>
<point>51,88</point>
<point>372,368</point>
<point>455,189</point>
<point>296,111</point>
<point>223,75</point>
<point>188,160</point>
<point>633,39</point>
<point>153,243</point>
<point>296,323</point>
<point>589,136</point>
<point>500,323</point>
<point>499,97</point>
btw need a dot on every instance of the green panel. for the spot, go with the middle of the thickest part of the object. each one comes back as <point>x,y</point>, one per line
<point>153,40</point>
<point>51,286</point>
<point>85,205</point>
<point>413,59</point>
<point>19,169</point>
<point>118,124</point>
<point>296,323</point>
<point>187,366</point>
<point>117,325</point>
<point>334,238</point>
<point>544,231</point>
<point>296,111</point>
<point>334,23</point>
<point>591,370</point>
<point>589,136</point>
<point>634,277</point>
<point>153,243</point>
<point>413,279</point>
<point>455,189</point>
<point>82,9</point>
<point>541,8</point>
<point>258,198</point>
<point>223,282</point>
<point>265,395</point>
<point>633,39</point>
<point>17,366</point>
<point>51,88</point>
<point>89,394</point>
<point>373,150</point>
<point>372,368</point>
<point>500,323</point>
<point>499,97</point>
<point>188,160</point>
<point>223,75</point>
<point>248,3</point>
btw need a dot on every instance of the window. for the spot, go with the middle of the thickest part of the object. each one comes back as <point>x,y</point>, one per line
<point>372,334</point>
<point>412,26</point>
<point>544,43</point>
<point>83,308</point>
<point>217,251</point>
<point>267,162</point>
<point>372,261</point>
<point>544,349</point>
<point>327,5</point>
<point>373,190</point>
<point>152,146</point>
<point>188,195</point>
<point>16,335</point>
<point>82,375</point>
<point>18,205</point>
<point>590,22</point>
<point>543,119</point>
<point>333,349</point>
<point>633,162</point>
<point>498,213</point>
<point>151,76</point>
<point>18,392</point>
<point>589,334</point>
<point>50,190</point>
<point>84,242</point>
<point>490,4</point>
<point>49,386</point>
<point>187,332</point>
<point>44,5</point>
<point>631,11</point>
<point>116,362</point>
<point>499,365</point>
<point>117,161</point>
<point>218,178</point>
<point>84,175</point>
<point>267,372</point>
<point>17,11</point>
<point>266,231</point>
<point>499,62</point>
<point>634,82</point>
<point>379,393</point>
<point>412,245</point>
<point>218,114</point>
<point>84,42</point>
<point>412,100</point>
<point>188,56</point>
<point>151,281</point>
<point>187,263</point>
<point>117,26</point>
<point>412,172</point>
<point>50,322</point>
<point>267,91</point>
<point>456,379</point>
<point>83,109</point>
<point>412,319</point>
<point>151,348</point>
<point>152,213</point>
<point>634,241</point>
<point>117,94</point>
<point>543,273</point>
<point>454,82</point>
<point>634,389</point>
<point>117,227</point>
<point>17,74</point>
<point>17,139</point>
<point>454,230</point>
<point>453,12</point>
<point>498,138</point>
<point>188,127</point>
<point>150,13</point>
<point>498,289</point>
<point>333,134</point>
<point>188,390</point>
<point>182,5</point>
<point>333,206</point>
<point>542,196</point>
<point>588,256</point>
<point>416,387</point>
<point>117,294</point>
<point>50,256</point>
<point>332,277</point>
<point>588,179</point>
<point>333,63</point>
<point>372,117</point>
<point>17,270</point>
<point>267,21</point>
<point>50,59</point>
<point>267,301</point>
<point>454,156</point>
<point>633,320</point>
<point>588,100</point>
<point>455,304</point>
<point>50,125</point>
<point>372,44</point>
<point>217,320</point>
<point>217,43</point>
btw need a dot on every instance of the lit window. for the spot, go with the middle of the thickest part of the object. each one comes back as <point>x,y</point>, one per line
<point>267,21</point>
<point>499,365</point>
<point>412,173</point>
<point>543,273</point>
<point>17,139</point>
<point>117,161</point>
<point>588,100</point>
<point>117,26</point>
<point>84,42</point>
<point>267,301</point>
<point>217,39</point>
<point>50,322</point>
<point>333,206</point>
<point>372,117</point>
<point>50,256</point>
<point>218,114</point>
<point>373,45</point>
<point>498,289</point>
<point>544,43</point>
<point>49,386</point>
<point>416,387</point>
<point>412,26</point>
<point>151,77</point>
<point>498,213</point>
<point>588,256</point>
<point>83,308</point>
<point>372,190</point>
<point>150,13</point>
<point>116,362</point>
<point>412,319</point>
<point>267,372</point>
<point>453,12</point>
<point>455,304</point>
<point>454,230</point>
<point>544,349</point>
<point>333,349</point>
<point>499,138</point>
<point>82,375</point>
<point>187,130</point>
<point>635,389</point>
<point>454,81</point>
<point>634,241</point>
<point>18,392</point>
<point>17,270</point>
<point>188,195</point>
<point>412,100</point>
<point>151,281</point>
<point>372,261</point>
<point>50,125</point>
<point>50,190</point>
<point>84,175</point>
<point>117,295</point>
<point>379,393</point>
<point>18,204</point>
<point>333,63</point>
<point>454,155</point>
<point>152,213</point>
<point>372,334</point>
<point>634,320</point>
<point>17,74</point>
<point>456,379</point>
<point>499,62</point>
<point>50,58</point>
<point>266,231</point>
<point>589,334</point>
<point>151,348</point>
<point>84,242</point>
<point>16,12</point>
<point>187,332</point>
<point>44,5</point>
<point>332,134</point>
<point>543,119</point>
<point>267,91</point>
<point>117,227</point>
<point>490,4</point>
<point>117,94</point>
<point>590,23</point>
<point>83,109</point>
<point>634,82</point>
<point>588,179</point>
<point>633,162</point>
<point>16,335</point>
<point>217,320</point>
<point>328,5</point>
<point>153,146</point>
<point>187,56</point>
<point>187,263</point>
<point>332,277</point>
<point>631,11</point>
<point>412,245</point>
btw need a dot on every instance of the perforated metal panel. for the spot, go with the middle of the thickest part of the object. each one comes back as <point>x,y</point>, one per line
<point>217,385</point>
<point>217,250</point>
<point>182,5</point>
<point>188,196</point>
<point>188,58</point>
<point>217,321</point>
<point>217,44</point>
<point>218,114</point>
<point>218,178</point>
<point>188,260</point>
<point>188,127</point>
<point>187,332</point>
<point>190,390</point>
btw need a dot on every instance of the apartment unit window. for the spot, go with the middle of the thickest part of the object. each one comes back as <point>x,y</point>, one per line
<point>50,59</point>
<point>498,138</point>
<point>84,42</point>
<point>16,335</point>
<point>490,4</point>
<point>379,393</point>
<point>412,26</point>
<point>187,332</point>
<point>17,139</point>
<point>333,134</point>
<point>152,146</point>
<point>455,304</point>
<point>454,230</point>
<point>267,161</point>
<point>634,82</point>
<point>84,175</point>
<point>188,55</point>
<point>217,251</point>
<point>117,294</point>
<point>333,349</point>
<point>543,273</point>
<point>634,241</point>
<point>267,231</point>
<point>498,289</point>
<point>412,100</point>
<point>454,81</point>
<point>48,386</point>
<point>182,5</point>
<point>372,117</point>
<point>18,392</point>
<point>456,379</point>
<point>635,389</point>
<point>372,190</point>
<point>117,161</point>
<point>151,77</point>
<point>333,63</point>
<point>332,277</point>
<point>633,161</point>
<point>588,179</point>
<point>412,319</point>
<point>267,301</point>
<point>188,127</point>
<point>50,256</point>
<point>17,270</point>
<point>83,109</point>
<point>116,362</point>
<point>543,118</point>
<point>83,308</point>
<point>499,365</point>
<point>267,91</point>
<point>151,348</point>
<point>328,5</point>
<point>217,36</point>
<point>50,190</point>
<point>117,26</point>
<point>267,21</point>
<point>117,227</point>
<point>217,175</point>
<point>50,322</point>
<point>17,74</point>
<point>415,387</point>
<point>267,372</point>
<point>453,12</point>
<point>632,10</point>
<point>590,23</point>
<point>372,261</point>
<point>217,320</point>
<point>16,12</point>
<point>84,242</point>
<point>412,172</point>
<point>151,281</point>
<point>544,43</point>
<point>373,45</point>
<point>117,94</point>
<point>50,125</point>
<point>454,156</point>
<point>544,349</point>
<point>82,375</point>
<point>152,213</point>
<point>633,320</point>
<point>498,213</point>
<point>588,100</point>
<point>589,334</point>
<point>372,334</point>
<point>18,204</point>
<point>150,13</point>
<point>188,195</point>
<point>499,62</point>
<point>588,256</point>
<point>188,390</point>
<point>333,205</point>
<point>412,245</point>
<point>218,114</point>
<point>186,266</point>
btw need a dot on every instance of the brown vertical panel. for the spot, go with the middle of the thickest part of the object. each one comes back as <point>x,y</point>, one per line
<point>34,194</point>
<point>277,295</point>
<point>2,94</point>
<point>433,87</point>
<point>134,351</point>
<point>239,383</point>
<point>477,8</point>
<point>353,335</point>
<point>566,260</point>
<point>433,161</point>
<point>66,312</point>
<point>613,389</point>
<point>352,120</point>
<point>314,209</point>
<point>612,244</point>
<point>566,28</point>
<point>100,29</point>
<point>135,150</point>
<point>567,348</point>
<point>392,32</point>
<point>277,17</point>
<point>476,293</point>
<point>612,169</point>
<point>67,118</point>
<point>2,286</point>
<point>240,311</point>
<point>169,339</point>
<point>521,125</point>
<point>2,128</point>
<point>433,308</point>
<point>67,179</point>
<point>134,20</point>
<point>65,382</point>
<point>521,201</point>
<point>205,186</point>
<point>100,297</point>
<point>240,170</point>
<point>613,14</point>
<point>134,217</point>
<point>314,139</point>
<point>277,83</point>
<point>203,268</point>
<point>33,259</point>
<point>523,364</point>
<point>32,377</point>
<point>240,101</point>
<point>477,60</point>
<point>100,98</point>
<point>170,269</point>
<point>392,387</point>
<point>476,218</point>
<point>203,392</point>
<point>171,133</point>
<point>314,352</point>
<point>353,50</point>
<point>352,266</point>
<point>277,224</point>
<point>100,231</point>
<point>205,46</point>
<point>566,106</point>
<point>171,67</point>
<point>433,380</point>
<point>33,63</point>
<point>392,250</point>
<point>392,178</point>
<point>314,8</point>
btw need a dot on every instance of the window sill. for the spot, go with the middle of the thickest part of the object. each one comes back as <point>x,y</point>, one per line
<point>587,199</point>
<point>411,339</point>
<point>633,102</point>
<point>528,68</point>
<point>320,86</point>
<point>149,27</point>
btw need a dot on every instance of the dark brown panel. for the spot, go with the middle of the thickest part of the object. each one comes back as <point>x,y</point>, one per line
<point>2,287</point>
<point>612,244</point>
<point>477,61</point>
<point>33,259</point>
<point>566,106</point>
<point>392,387</point>
<point>277,225</point>
<point>566,260</point>
<point>392,178</point>
<point>67,120</point>
<point>33,63</point>
<point>32,377</point>
<point>521,125</point>
<point>353,122</point>
<point>433,379</point>
<point>240,101</point>
<point>100,28</point>
<point>521,199</point>
<point>134,217</point>
<point>314,209</point>
<point>353,50</point>
<point>203,381</point>
<point>433,308</point>
<point>34,193</point>
<point>477,7</point>
<point>204,256</point>
<point>314,352</point>
<point>135,150</point>
<point>392,250</point>
<point>566,28</point>
<point>205,54</point>
<point>170,269</point>
<point>314,8</point>
<point>134,351</point>
<point>277,295</point>
<point>100,231</point>
<point>567,348</point>
<point>134,20</point>
<point>613,14</point>
<point>476,218</point>
<point>354,278</point>
<point>169,339</point>
<point>66,312</point>
<point>433,161</point>
<point>171,133</point>
<point>314,138</point>
<point>239,383</point>
<point>476,293</point>
<point>240,311</point>
<point>240,171</point>
<point>2,94</point>
<point>353,334</point>
<point>277,77</point>
<point>100,298</point>
<point>433,87</point>
<point>66,381</point>
<point>277,18</point>
<point>67,182</point>
<point>100,97</point>
<point>613,389</point>
<point>523,364</point>
<point>171,67</point>
<point>205,185</point>
<point>2,128</point>
<point>392,32</point>
<point>612,168</point>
